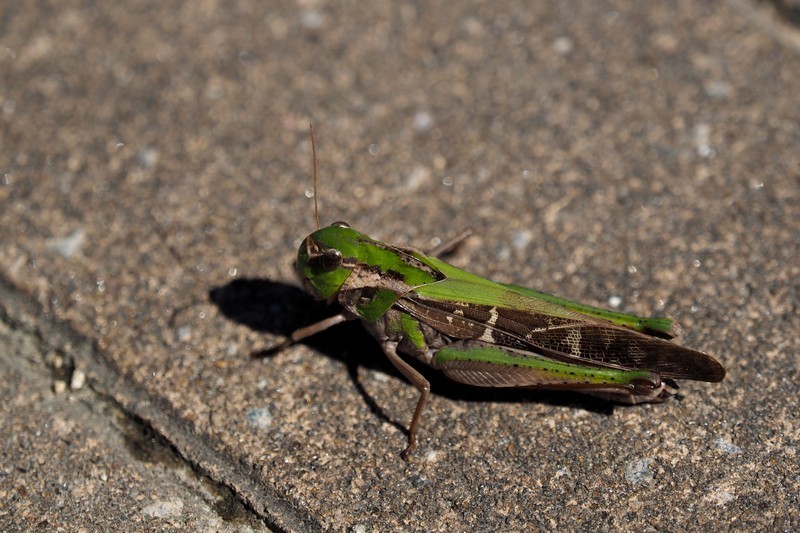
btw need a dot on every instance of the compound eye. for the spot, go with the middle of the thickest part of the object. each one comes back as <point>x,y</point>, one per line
<point>341,224</point>
<point>331,259</point>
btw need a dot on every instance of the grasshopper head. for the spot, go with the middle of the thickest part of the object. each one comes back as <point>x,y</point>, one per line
<point>326,258</point>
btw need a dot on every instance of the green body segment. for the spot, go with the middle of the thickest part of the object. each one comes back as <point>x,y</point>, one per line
<point>412,331</point>
<point>466,287</point>
<point>550,372</point>
<point>376,307</point>
<point>645,324</point>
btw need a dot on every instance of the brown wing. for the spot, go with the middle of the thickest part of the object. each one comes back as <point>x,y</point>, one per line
<point>574,339</point>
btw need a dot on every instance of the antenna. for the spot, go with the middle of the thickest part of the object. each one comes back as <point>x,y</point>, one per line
<point>314,158</point>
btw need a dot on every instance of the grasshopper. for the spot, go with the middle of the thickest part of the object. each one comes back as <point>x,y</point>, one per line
<point>484,333</point>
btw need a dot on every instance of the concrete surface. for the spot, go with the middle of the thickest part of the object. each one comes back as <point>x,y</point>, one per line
<point>154,183</point>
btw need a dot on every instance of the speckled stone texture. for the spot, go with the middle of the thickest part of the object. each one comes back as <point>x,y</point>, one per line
<point>155,178</point>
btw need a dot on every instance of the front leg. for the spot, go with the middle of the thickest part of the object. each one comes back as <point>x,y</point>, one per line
<point>307,331</point>
<point>422,385</point>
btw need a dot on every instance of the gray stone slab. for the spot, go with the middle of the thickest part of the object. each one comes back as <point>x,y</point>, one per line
<point>154,183</point>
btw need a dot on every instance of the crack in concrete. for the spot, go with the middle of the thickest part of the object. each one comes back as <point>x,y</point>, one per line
<point>146,415</point>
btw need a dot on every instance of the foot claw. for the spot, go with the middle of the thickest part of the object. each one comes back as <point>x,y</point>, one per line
<point>407,452</point>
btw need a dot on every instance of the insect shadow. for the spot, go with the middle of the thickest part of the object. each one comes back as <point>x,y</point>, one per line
<point>279,309</point>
